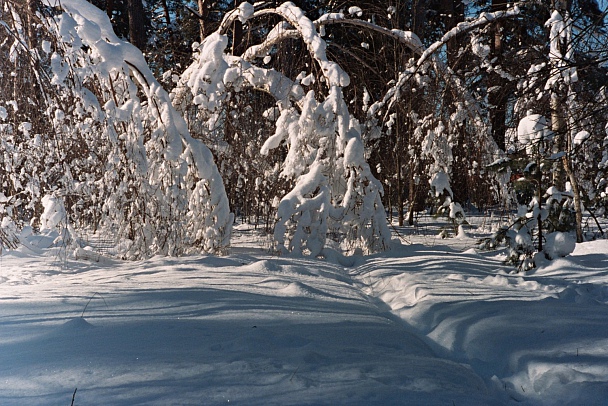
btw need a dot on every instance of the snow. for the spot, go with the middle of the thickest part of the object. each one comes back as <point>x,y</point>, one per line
<point>332,72</point>
<point>54,212</point>
<point>440,183</point>
<point>560,36</point>
<point>483,19</point>
<point>479,48</point>
<point>173,173</point>
<point>46,47</point>
<point>559,245</point>
<point>533,129</point>
<point>456,212</point>
<point>354,10</point>
<point>580,137</point>
<point>415,325</point>
<point>245,12</point>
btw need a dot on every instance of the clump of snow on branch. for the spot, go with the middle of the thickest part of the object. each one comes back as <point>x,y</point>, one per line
<point>560,33</point>
<point>532,130</point>
<point>316,45</point>
<point>54,213</point>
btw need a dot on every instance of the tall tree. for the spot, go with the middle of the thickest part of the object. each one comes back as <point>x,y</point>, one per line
<point>498,85</point>
<point>203,15</point>
<point>137,23</point>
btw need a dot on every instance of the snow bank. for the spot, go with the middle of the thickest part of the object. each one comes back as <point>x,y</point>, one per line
<point>536,339</point>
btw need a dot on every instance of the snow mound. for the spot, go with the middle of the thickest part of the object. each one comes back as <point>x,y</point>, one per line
<point>77,324</point>
<point>559,245</point>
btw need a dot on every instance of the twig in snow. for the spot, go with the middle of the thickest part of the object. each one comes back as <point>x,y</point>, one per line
<point>74,396</point>
<point>294,373</point>
<point>91,298</point>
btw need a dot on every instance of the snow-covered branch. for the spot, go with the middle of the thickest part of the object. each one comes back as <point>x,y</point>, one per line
<point>393,95</point>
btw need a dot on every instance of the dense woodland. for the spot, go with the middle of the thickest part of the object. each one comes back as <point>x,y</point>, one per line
<point>320,121</point>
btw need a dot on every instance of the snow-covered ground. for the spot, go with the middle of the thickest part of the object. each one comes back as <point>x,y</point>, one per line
<point>420,325</point>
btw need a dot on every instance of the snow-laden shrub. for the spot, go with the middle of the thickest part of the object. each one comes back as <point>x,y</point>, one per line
<point>8,234</point>
<point>54,214</point>
<point>518,242</point>
<point>333,185</point>
<point>112,148</point>
<point>521,238</point>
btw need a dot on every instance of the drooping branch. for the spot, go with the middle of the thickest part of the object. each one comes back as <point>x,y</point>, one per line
<point>334,186</point>
<point>333,73</point>
<point>393,94</point>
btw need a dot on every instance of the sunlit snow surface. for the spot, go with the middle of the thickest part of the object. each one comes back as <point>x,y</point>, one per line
<point>419,325</point>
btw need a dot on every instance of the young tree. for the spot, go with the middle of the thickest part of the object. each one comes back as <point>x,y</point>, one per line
<point>560,162</point>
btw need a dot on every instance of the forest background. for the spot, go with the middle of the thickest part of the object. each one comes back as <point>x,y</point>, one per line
<point>313,119</point>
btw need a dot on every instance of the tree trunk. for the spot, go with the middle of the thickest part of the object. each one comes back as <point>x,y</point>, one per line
<point>166,13</point>
<point>203,10</point>
<point>578,207</point>
<point>137,23</point>
<point>558,126</point>
<point>453,13</point>
<point>453,10</point>
<point>110,8</point>
<point>412,198</point>
<point>237,34</point>
<point>559,113</point>
<point>400,187</point>
<point>539,197</point>
<point>497,96</point>
<point>32,6</point>
<point>419,22</point>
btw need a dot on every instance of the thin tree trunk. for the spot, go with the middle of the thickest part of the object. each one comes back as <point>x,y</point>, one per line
<point>400,188</point>
<point>539,197</point>
<point>578,207</point>
<point>32,6</point>
<point>497,97</point>
<point>110,8</point>
<point>412,198</point>
<point>399,150</point>
<point>166,13</point>
<point>453,10</point>
<point>419,21</point>
<point>558,126</point>
<point>559,112</point>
